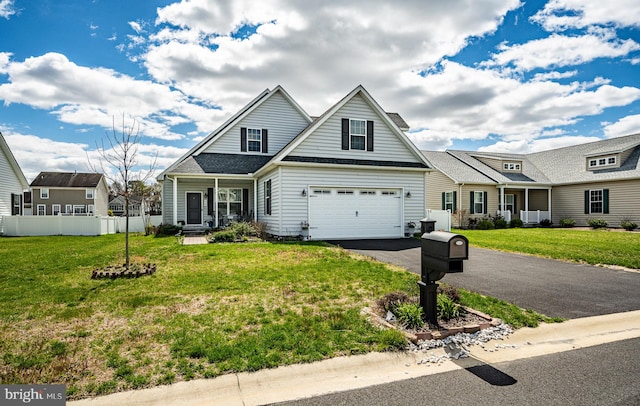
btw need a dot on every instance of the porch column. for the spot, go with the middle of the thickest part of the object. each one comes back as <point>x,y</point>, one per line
<point>526,204</point>
<point>215,202</point>
<point>255,200</point>
<point>175,200</point>
<point>501,200</point>
<point>549,202</point>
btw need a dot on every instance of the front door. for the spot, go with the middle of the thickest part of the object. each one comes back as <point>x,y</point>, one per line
<point>194,208</point>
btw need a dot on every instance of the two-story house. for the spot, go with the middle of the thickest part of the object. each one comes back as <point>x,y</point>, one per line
<point>350,173</point>
<point>69,194</point>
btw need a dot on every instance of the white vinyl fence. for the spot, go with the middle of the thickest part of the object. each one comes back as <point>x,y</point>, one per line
<point>442,218</point>
<point>71,225</point>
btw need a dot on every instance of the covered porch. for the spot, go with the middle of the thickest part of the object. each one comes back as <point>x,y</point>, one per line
<point>210,201</point>
<point>531,205</point>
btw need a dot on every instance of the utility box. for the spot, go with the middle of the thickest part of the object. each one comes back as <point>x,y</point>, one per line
<point>442,252</point>
<point>427,226</point>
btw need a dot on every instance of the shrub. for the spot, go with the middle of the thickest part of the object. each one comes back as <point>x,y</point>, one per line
<point>628,225</point>
<point>447,308</point>
<point>242,229</point>
<point>450,291</point>
<point>224,236</point>
<point>500,223</point>
<point>545,223</point>
<point>516,223</point>
<point>485,224</point>
<point>167,229</point>
<point>391,301</point>
<point>409,315</point>
<point>597,223</point>
<point>567,222</point>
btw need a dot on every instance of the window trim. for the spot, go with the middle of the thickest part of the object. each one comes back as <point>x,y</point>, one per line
<point>352,134</point>
<point>593,201</point>
<point>602,161</point>
<point>451,203</point>
<point>44,193</point>
<point>79,206</point>
<point>68,209</point>
<point>56,209</point>
<point>44,210</point>
<point>256,132</point>
<point>90,194</point>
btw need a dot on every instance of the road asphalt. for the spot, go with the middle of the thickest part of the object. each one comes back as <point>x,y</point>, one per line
<point>601,303</point>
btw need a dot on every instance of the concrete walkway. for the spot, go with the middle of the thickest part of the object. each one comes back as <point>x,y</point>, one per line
<point>345,373</point>
<point>194,240</point>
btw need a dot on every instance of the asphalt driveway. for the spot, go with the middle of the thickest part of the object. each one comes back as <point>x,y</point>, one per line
<point>550,287</point>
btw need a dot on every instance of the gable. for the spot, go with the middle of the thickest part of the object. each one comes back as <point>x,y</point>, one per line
<point>276,115</point>
<point>326,141</point>
<point>10,172</point>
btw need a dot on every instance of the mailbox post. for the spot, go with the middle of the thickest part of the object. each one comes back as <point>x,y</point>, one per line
<point>442,253</point>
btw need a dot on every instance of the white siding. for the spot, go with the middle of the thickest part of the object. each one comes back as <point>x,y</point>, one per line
<point>272,220</point>
<point>326,141</point>
<point>282,120</point>
<point>9,184</point>
<point>294,180</point>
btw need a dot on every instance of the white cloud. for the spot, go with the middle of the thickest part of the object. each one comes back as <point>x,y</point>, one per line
<point>561,50</point>
<point>6,8</point>
<point>559,15</point>
<point>135,26</point>
<point>625,126</point>
<point>543,144</point>
<point>541,77</point>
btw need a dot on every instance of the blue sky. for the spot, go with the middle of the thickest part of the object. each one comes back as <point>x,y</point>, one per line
<point>496,75</point>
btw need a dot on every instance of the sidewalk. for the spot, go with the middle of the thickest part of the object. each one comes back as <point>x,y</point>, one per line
<point>345,373</point>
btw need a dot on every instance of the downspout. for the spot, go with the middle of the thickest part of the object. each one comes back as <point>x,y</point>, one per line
<point>255,199</point>
<point>460,204</point>
<point>175,200</point>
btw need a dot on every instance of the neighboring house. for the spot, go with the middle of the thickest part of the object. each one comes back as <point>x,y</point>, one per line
<point>595,180</point>
<point>69,194</point>
<point>350,173</point>
<point>12,183</point>
<point>116,205</point>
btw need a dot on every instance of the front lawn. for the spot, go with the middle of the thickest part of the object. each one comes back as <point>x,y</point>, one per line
<point>604,247</point>
<point>208,310</point>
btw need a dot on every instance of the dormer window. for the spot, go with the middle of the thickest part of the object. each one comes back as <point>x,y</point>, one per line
<point>511,166</point>
<point>602,161</point>
<point>357,134</point>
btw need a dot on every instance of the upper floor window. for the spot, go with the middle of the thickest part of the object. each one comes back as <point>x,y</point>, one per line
<point>90,193</point>
<point>358,134</point>
<point>602,161</point>
<point>511,166</point>
<point>44,193</point>
<point>253,140</point>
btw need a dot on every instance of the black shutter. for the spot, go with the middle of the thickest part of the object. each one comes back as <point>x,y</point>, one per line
<point>243,139</point>
<point>369,135</point>
<point>455,202</point>
<point>345,133</point>
<point>586,202</point>
<point>444,203</point>
<point>210,199</point>
<point>515,204</point>
<point>486,211</point>
<point>245,203</point>
<point>265,141</point>
<point>605,201</point>
<point>472,208</point>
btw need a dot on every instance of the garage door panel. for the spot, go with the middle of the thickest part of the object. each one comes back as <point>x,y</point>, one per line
<point>355,213</point>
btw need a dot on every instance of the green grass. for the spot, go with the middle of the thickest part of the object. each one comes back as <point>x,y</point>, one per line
<point>595,247</point>
<point>208,310</point>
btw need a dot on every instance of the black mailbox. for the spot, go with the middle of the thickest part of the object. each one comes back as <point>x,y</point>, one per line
<point>442,253</point>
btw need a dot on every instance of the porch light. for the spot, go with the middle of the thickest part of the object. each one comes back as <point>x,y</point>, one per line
<point>304,192</point>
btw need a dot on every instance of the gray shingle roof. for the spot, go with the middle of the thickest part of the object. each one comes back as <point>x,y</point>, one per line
<point>236,164</point>
<point>559,166</point>
<point>67,179</point>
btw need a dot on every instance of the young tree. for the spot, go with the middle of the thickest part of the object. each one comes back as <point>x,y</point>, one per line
<point>121,152</point>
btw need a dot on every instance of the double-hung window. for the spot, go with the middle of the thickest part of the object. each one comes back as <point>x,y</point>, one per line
<point>55,209</point>
<point>596,201</point>
<point>449,201</point>
<point>478,202</point>
<point>254,140</point>
<point>89,193</point>
<point>42,210</point>
<point>44,193</point>
<point>358,134</point>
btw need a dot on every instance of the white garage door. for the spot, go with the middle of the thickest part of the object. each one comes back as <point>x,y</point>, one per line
<point>336,213</point>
